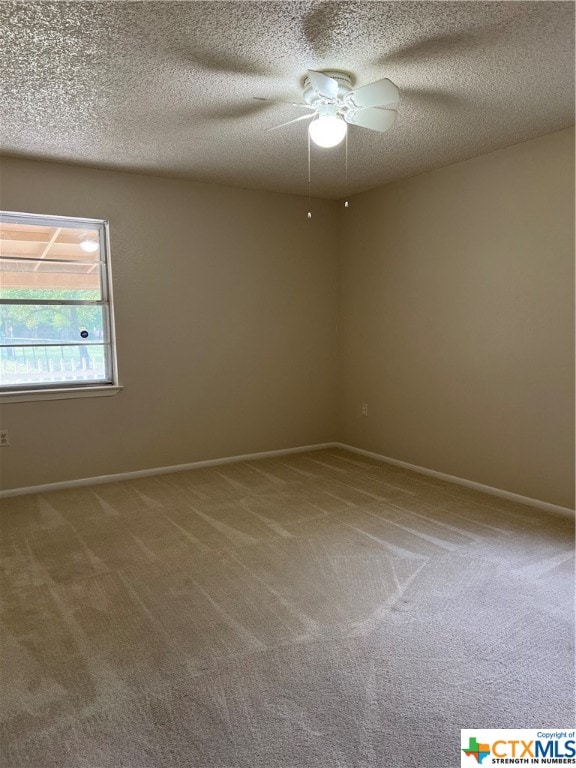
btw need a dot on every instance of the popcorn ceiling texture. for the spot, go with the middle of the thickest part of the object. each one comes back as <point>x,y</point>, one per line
<point>168,87</point>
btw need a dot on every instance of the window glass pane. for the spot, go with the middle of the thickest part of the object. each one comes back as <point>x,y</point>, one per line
<point>32,279</point>
<point>53,365</point>
<point>23,324</point>
<point>33,241</point>
<point>49,337</point>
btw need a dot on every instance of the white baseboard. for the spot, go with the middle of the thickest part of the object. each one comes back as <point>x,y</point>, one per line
<point>566,511</point>
<point>284,452</point>
<point>160,470</point>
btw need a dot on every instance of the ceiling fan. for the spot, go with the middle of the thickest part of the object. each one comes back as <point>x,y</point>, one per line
<point>333,105</point>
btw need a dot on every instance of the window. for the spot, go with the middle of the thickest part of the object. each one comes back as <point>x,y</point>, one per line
<point>56,320</point>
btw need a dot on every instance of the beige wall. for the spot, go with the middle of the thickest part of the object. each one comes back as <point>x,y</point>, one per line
<point>456,319</point>
<point>225,318</point>
<point>455,323</point>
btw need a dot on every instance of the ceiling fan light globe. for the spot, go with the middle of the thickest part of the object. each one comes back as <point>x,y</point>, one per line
<point>327,131</point>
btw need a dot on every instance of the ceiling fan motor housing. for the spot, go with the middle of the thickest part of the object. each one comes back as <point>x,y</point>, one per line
<point>344,81</point>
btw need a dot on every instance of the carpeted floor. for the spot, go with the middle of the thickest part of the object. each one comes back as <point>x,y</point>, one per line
<point>321,610</point>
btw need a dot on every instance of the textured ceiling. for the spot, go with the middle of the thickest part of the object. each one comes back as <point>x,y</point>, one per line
<point>168,87</point>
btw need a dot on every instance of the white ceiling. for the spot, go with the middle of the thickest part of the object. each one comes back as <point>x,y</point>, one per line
<point>168,87</point>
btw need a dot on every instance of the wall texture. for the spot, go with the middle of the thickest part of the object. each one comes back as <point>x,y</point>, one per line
<point>456,319</point>
<point>225,307</point>
<point>455,323</point>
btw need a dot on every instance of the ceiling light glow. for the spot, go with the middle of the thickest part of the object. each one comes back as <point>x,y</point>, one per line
<point>89,244</point>
<point>327,131</point>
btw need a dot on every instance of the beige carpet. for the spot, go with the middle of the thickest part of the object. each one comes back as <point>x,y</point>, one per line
<point>314,611</point>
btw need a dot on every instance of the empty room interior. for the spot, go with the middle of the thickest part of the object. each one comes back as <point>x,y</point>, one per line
<point>287,383</point>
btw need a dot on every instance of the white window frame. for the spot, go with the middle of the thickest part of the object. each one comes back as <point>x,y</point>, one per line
<point>67,390</point>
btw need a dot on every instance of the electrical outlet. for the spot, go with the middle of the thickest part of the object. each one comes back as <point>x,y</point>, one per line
<point>4,439</point>
<point>364,411</point>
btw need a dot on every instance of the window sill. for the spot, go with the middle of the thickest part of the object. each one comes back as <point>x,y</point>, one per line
<point>70,393</point>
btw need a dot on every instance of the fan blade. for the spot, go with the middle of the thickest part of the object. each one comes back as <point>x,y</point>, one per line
<point>379,94</point>
<point>323,85</point>
<point>375,119</point>
<point>279,101</point>
<point>296,120</point>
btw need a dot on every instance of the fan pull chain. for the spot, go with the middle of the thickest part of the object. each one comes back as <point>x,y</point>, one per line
<point>309,205</point>
<point>346,176</point>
